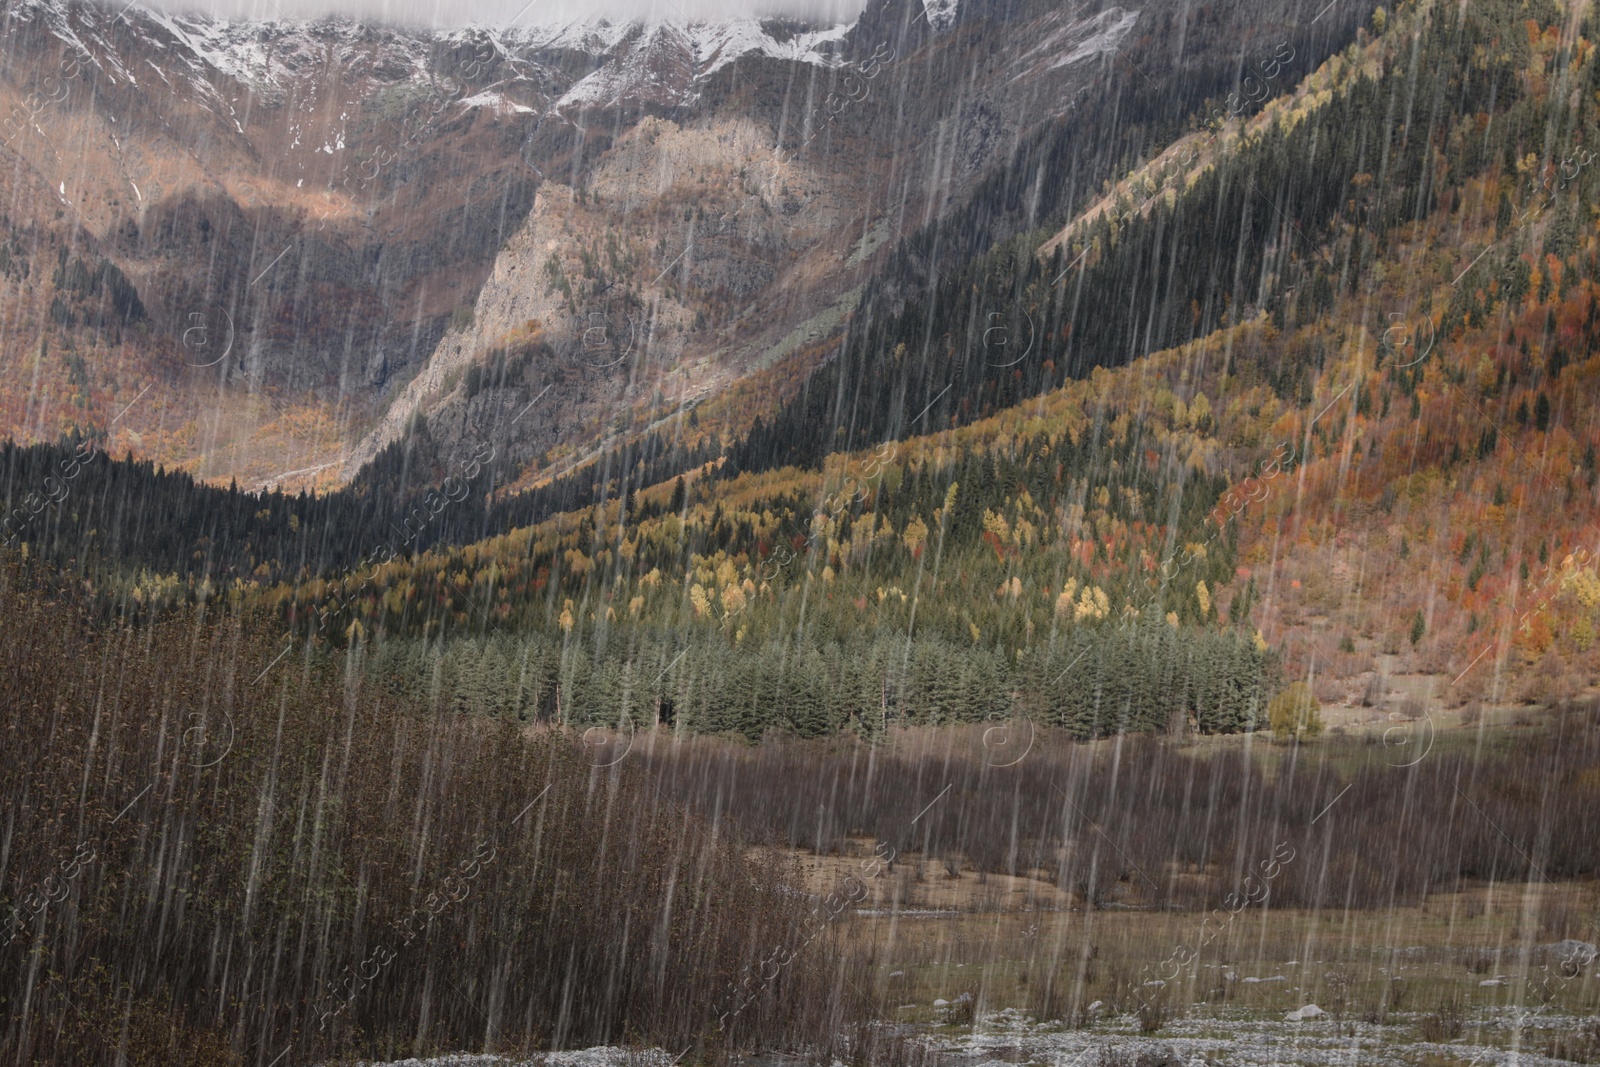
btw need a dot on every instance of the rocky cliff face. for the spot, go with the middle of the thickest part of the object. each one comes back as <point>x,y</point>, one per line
<point>328,225</point>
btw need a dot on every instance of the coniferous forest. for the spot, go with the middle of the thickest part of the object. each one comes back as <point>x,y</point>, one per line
<point>1180,499</point>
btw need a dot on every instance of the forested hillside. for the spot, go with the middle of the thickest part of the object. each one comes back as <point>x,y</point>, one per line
<point>1317,399</point>
<point>1285,221</point>
<point>100,518</point>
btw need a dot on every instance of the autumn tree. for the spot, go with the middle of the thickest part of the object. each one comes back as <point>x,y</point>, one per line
<point>1293,713</point>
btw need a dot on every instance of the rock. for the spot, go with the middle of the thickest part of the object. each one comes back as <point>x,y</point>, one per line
<point>1274,978</point>
<point>1230,975</point>
<point>1155,982</point>
<point>897,974</point>
<point>941,1003</point>
<point>1491,981</point>
<point>1310,1011</point>
<point>1160,1056</point>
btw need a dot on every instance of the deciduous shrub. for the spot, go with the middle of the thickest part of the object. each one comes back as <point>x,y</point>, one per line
<point>1293,714</point>
<point>209,859</point>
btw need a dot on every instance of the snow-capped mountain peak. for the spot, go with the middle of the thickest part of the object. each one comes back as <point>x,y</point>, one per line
<point>633,60</point>
<point>660,61</point>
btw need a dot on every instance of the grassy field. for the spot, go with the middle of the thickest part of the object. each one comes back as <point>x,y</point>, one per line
<point>1448,947</point>
<point>1016,967</point>
<point>1439,984</point>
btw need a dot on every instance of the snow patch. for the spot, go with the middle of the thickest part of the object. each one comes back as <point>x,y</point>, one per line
<point>1111,26</point>
<point>655,60</point>
<point>498,103</point>
<point>941,13</point>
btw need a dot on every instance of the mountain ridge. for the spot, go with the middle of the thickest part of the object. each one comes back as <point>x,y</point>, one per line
<point>302,253</point>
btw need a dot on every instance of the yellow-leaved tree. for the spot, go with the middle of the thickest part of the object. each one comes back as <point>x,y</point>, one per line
<point>1293,713</point>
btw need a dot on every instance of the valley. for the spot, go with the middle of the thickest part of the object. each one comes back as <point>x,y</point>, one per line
<point>927,534</point>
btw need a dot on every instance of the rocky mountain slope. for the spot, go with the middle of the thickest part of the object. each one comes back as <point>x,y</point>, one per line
<point>327,225</point>
<point>1336,294</point>
<point>1356,430</point>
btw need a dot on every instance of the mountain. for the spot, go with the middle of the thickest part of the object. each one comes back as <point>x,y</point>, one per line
<point>300,206</point>
<point>1310,380</point>
<point>1148,375</point>
<point>1310,339</point>
<point>328,224</point>
<point>681,303</point>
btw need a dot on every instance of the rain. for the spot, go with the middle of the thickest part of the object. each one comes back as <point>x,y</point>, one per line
<point>868,533</point>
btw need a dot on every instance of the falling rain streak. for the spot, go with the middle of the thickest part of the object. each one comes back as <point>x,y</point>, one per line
<point>919,533</point>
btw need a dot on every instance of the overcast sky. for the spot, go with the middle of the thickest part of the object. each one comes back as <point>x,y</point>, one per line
<point>463,12</point>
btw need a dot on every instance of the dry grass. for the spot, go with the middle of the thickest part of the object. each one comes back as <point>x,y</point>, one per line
<point>1054,965</point>
<point>1579,1044</point>
<point>919,882</point>
<point>1151,823</point>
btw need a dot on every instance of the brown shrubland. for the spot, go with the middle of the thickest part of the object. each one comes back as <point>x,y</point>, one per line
<point>204,865</point>
<point>1147,821</point>
<point>213,851</point>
